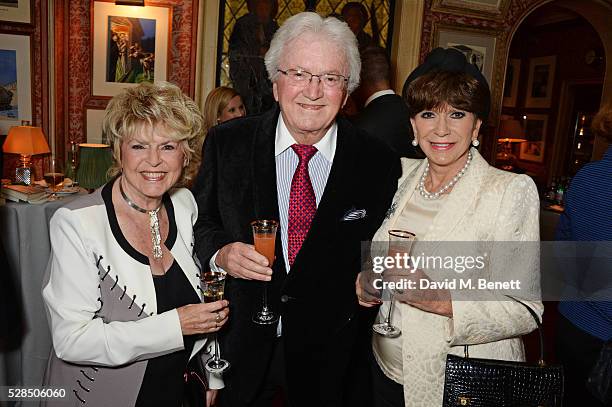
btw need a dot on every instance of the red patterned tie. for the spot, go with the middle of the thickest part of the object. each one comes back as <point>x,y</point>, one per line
<point>302,202</point>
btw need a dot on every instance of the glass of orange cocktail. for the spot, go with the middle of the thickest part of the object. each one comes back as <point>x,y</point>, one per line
<point>264,236</point>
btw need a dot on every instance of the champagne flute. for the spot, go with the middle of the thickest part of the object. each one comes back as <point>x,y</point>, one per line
<point>400,242</point>
<point>213,288</point>
<point>264,235</point>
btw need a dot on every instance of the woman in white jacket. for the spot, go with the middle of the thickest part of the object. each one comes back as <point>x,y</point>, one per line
<point>122,285</point>
<point>455,196</point>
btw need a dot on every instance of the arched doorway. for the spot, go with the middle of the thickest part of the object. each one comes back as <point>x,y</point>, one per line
<point>598,14</point>
<point>554,85</point>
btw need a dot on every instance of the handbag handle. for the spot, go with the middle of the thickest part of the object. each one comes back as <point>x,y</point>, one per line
<point>540,332</point>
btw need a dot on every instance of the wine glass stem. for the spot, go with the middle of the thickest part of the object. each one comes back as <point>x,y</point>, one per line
<point>388,319</point>
<point>217,355</point>
<point>265,296</point>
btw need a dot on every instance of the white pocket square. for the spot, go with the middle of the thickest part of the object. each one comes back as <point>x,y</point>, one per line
<point>354,214</point>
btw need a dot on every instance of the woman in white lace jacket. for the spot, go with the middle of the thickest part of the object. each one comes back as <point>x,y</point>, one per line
<point>122,286</point>
<point>454,196</point>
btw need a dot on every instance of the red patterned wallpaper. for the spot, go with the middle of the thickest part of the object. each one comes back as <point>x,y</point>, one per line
<point>78,76</point>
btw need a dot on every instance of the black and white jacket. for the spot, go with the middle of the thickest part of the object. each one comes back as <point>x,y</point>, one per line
<point>101,301</point>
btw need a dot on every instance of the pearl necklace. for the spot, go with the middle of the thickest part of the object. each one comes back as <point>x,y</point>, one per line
<point>153,223</point>
<point>436,195</point>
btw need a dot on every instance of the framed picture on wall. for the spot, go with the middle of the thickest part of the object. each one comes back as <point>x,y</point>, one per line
<point>477,8</point>
<point>130,46</point>
<point>477,45</point>
<point>15,81</point>
<point>513,72</point>
<point>535,133</point>
<point>94,119</point>
<point>541,81</point>
<point>16,11</point>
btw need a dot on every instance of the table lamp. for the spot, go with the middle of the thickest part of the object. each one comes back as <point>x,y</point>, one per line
<point>510,132</point>
<point>25,141</point>
<point>94,162</point>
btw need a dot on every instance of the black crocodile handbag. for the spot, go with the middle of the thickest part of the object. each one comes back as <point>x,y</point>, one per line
<point>487,382</point>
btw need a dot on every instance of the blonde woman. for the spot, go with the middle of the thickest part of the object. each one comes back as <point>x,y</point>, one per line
<point>121,288</point>
<point>222,104</point>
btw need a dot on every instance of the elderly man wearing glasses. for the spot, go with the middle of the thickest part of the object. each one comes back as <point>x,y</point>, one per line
<point>329,186</point>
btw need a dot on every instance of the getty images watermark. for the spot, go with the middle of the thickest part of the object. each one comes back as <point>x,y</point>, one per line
<point>403,271</point>
<point>486,270</point>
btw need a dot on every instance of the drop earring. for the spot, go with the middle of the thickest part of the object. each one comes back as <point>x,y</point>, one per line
<point>415,142</point>
<point>475,142</point>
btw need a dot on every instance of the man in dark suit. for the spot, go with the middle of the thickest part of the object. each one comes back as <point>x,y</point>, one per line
<point>384,114</point>
<point>329,185</point>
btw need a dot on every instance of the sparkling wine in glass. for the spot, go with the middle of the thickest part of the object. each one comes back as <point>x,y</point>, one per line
<point>54,173</point>
<point>213,288</point>
<point>264,236</point>
<point>400,242</point>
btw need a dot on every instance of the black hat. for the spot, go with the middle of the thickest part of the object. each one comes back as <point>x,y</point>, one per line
<point>447,60</point>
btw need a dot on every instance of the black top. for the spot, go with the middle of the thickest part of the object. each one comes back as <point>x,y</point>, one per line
<point>163,383</point>
<point>107,196</point>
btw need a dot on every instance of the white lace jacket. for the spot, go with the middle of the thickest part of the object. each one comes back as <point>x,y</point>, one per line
<point>487,205</point>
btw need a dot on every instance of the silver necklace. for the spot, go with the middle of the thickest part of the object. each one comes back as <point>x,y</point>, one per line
<point>153,222</point>
<point>436,195</point>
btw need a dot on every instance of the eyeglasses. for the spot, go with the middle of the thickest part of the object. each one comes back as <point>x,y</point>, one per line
<point>300,77</point>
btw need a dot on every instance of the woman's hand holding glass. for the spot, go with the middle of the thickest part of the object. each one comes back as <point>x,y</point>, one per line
<point>203,318</point>
<point>434,300</point>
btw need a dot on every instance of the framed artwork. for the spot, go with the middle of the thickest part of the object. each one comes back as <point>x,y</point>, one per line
<point>15,81</point>
<point>477,45</point>
<point>535,134</point>
<point>513,72</point>
<point>541,81</point>
<point>130,46</point>
<point>16,11</point>
<point>476,8</point>
<point>94,119</point>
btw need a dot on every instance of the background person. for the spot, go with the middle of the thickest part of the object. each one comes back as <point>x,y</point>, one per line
<point>454,196</point>
<point>121,287</point>
<point>356,16</point>
<point>222,104</point>
<point>276,166</point>
<point>384,114</point>
<point>248,44</point>
<point>584,326</point>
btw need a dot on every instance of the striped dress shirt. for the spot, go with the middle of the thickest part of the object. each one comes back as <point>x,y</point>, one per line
<point>286,163</point>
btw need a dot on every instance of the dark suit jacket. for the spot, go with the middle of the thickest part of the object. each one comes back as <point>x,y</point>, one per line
<point>388,119</point>
<point>317,301</point>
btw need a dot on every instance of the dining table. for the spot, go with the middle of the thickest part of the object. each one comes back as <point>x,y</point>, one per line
<point>24,232</point>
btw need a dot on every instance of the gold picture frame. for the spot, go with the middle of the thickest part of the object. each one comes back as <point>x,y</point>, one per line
<point>513,73</point>
<point>533,149</point>
<point>492,9</point>
<point>541,82</point>
<point>152,24</point>
<point>16,11</point>
<point>15,58</point>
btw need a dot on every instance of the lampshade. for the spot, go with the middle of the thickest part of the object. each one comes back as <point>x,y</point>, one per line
<point>94,162</point>
<point>26,140</point>
<point>510,131</point>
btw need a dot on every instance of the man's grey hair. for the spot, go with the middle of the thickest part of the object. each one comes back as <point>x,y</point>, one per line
<point>330,28</point>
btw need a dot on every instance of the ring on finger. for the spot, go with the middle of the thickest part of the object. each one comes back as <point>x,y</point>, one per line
<point>218,317</point>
